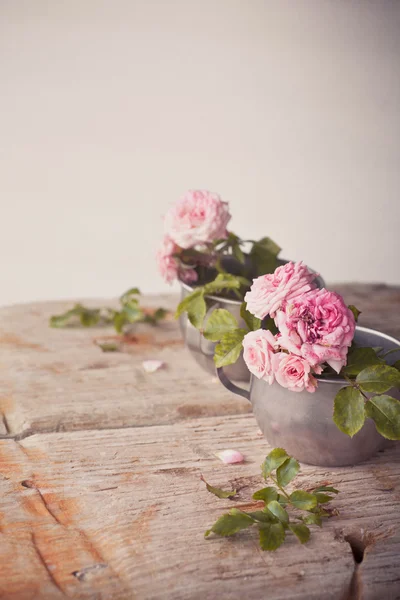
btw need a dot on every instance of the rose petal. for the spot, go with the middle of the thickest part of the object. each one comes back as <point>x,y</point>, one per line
<point>150,366</point>
<point>230,457</point>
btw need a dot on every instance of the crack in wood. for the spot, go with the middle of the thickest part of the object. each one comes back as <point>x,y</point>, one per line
<point>5,423</point>
<point>45,565</point>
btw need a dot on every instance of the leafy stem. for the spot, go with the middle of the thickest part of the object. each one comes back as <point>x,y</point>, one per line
<point>274,521</point>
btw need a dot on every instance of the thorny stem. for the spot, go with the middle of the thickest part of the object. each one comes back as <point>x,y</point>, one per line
<point>356,386</point>
<point>281,489</point>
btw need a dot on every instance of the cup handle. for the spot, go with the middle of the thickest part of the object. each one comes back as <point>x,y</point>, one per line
<point>231,386</point>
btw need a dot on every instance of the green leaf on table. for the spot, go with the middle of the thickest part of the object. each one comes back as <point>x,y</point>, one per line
<point>262,516</point>
<point>303,500</point>
<point>130,296</point>
<point>301,531</point>
<point>221,321</point>
<point>280,513</point>
<point>349,413</point>
<point>378,379</point>
<point>274,460</point>
<point>158,315</point>
<point>355,311</point>
<point>108,346</point>
<point>228,350</point>
<point>322,498</point>
<point>252,322</point>
<point>287,471</point>
<point>360,358</point>
<point>325,488</point>
<point>223,281</point>
<point>312,519</point>
<point>63,319</point>
<point>385,411</point>
<point>266,494</point>
<point>217,491</point>
<point>272,535</point>
<point>87,316</point>
<point>230,523</point>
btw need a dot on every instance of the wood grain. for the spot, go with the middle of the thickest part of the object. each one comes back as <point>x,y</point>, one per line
<point>126,510</point>
<point>100,464</point>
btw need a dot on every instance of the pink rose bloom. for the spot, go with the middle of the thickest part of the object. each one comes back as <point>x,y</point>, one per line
<point>200,217</point>
<point>293,373</point>
<point>317,326</point>
<point>259,347</point>
<point>168,265</point>
<point>270,292</point>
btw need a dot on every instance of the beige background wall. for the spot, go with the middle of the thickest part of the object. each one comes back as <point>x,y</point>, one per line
<point>109,110</point>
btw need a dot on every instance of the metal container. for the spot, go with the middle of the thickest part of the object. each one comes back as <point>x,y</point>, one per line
<point>201,349</point>
<point>301,422</point>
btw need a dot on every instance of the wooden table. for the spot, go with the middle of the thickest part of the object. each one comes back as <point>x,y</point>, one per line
<point>100,464</point>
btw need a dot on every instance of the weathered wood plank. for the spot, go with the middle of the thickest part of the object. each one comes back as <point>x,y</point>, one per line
<point>53,379</point>
<point>60,380</point>
<point>126,512</point>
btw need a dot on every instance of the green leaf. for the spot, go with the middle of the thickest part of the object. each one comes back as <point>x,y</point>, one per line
<point>267,494</point>
<point>272,535</point>
<point>223,281</point>
<point>108,346</point>
<point>252,322</point>
<point>87,316</point>
<point>378,379</point>
<point>120,319</point>
<point>132,312</point>
<point>360,358</point>
<point>287,471</point>
<point>129,296</point>
<point>280,513</point>
<point>323,498</point>
<point>63,319</point>
<point>187,301</point>
<point>269,245</point>
<point>238,253</point>
<point>195,306</point>
<point>355,311</point>
<point>230,523</point>
<point>221,321</point>
<point>385,411</point>
<point>229,348</point>
<point>218,492</point>
<point>269,324</point>
<point>325,488</point>
<point>303,500</point>
<point>262,516</point>
<point>301,532</point>
<point>263,255</point>
<point>274,460</point>
<point>396,365</point>
<point>349,413</point>
<point>312,519</point>
<point>157,316</point>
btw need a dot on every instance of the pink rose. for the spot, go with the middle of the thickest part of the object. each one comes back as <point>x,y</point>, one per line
<point>293,373</point>
<point>259,347</point>
<point>171,267</point>
<point>317,326</point>
<point>200,217</point>
<point>168,265</point>
<point>269,292</point>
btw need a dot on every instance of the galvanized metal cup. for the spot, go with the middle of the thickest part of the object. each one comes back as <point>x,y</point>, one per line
<point>201,349</point>
<point>301,422</point>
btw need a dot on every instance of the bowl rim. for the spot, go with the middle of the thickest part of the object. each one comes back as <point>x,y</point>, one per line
<point>338,378</point>
<point>191,288</point>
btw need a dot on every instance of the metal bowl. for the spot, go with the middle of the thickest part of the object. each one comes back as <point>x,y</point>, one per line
<point>301,422</point>
<point>201,349</point>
